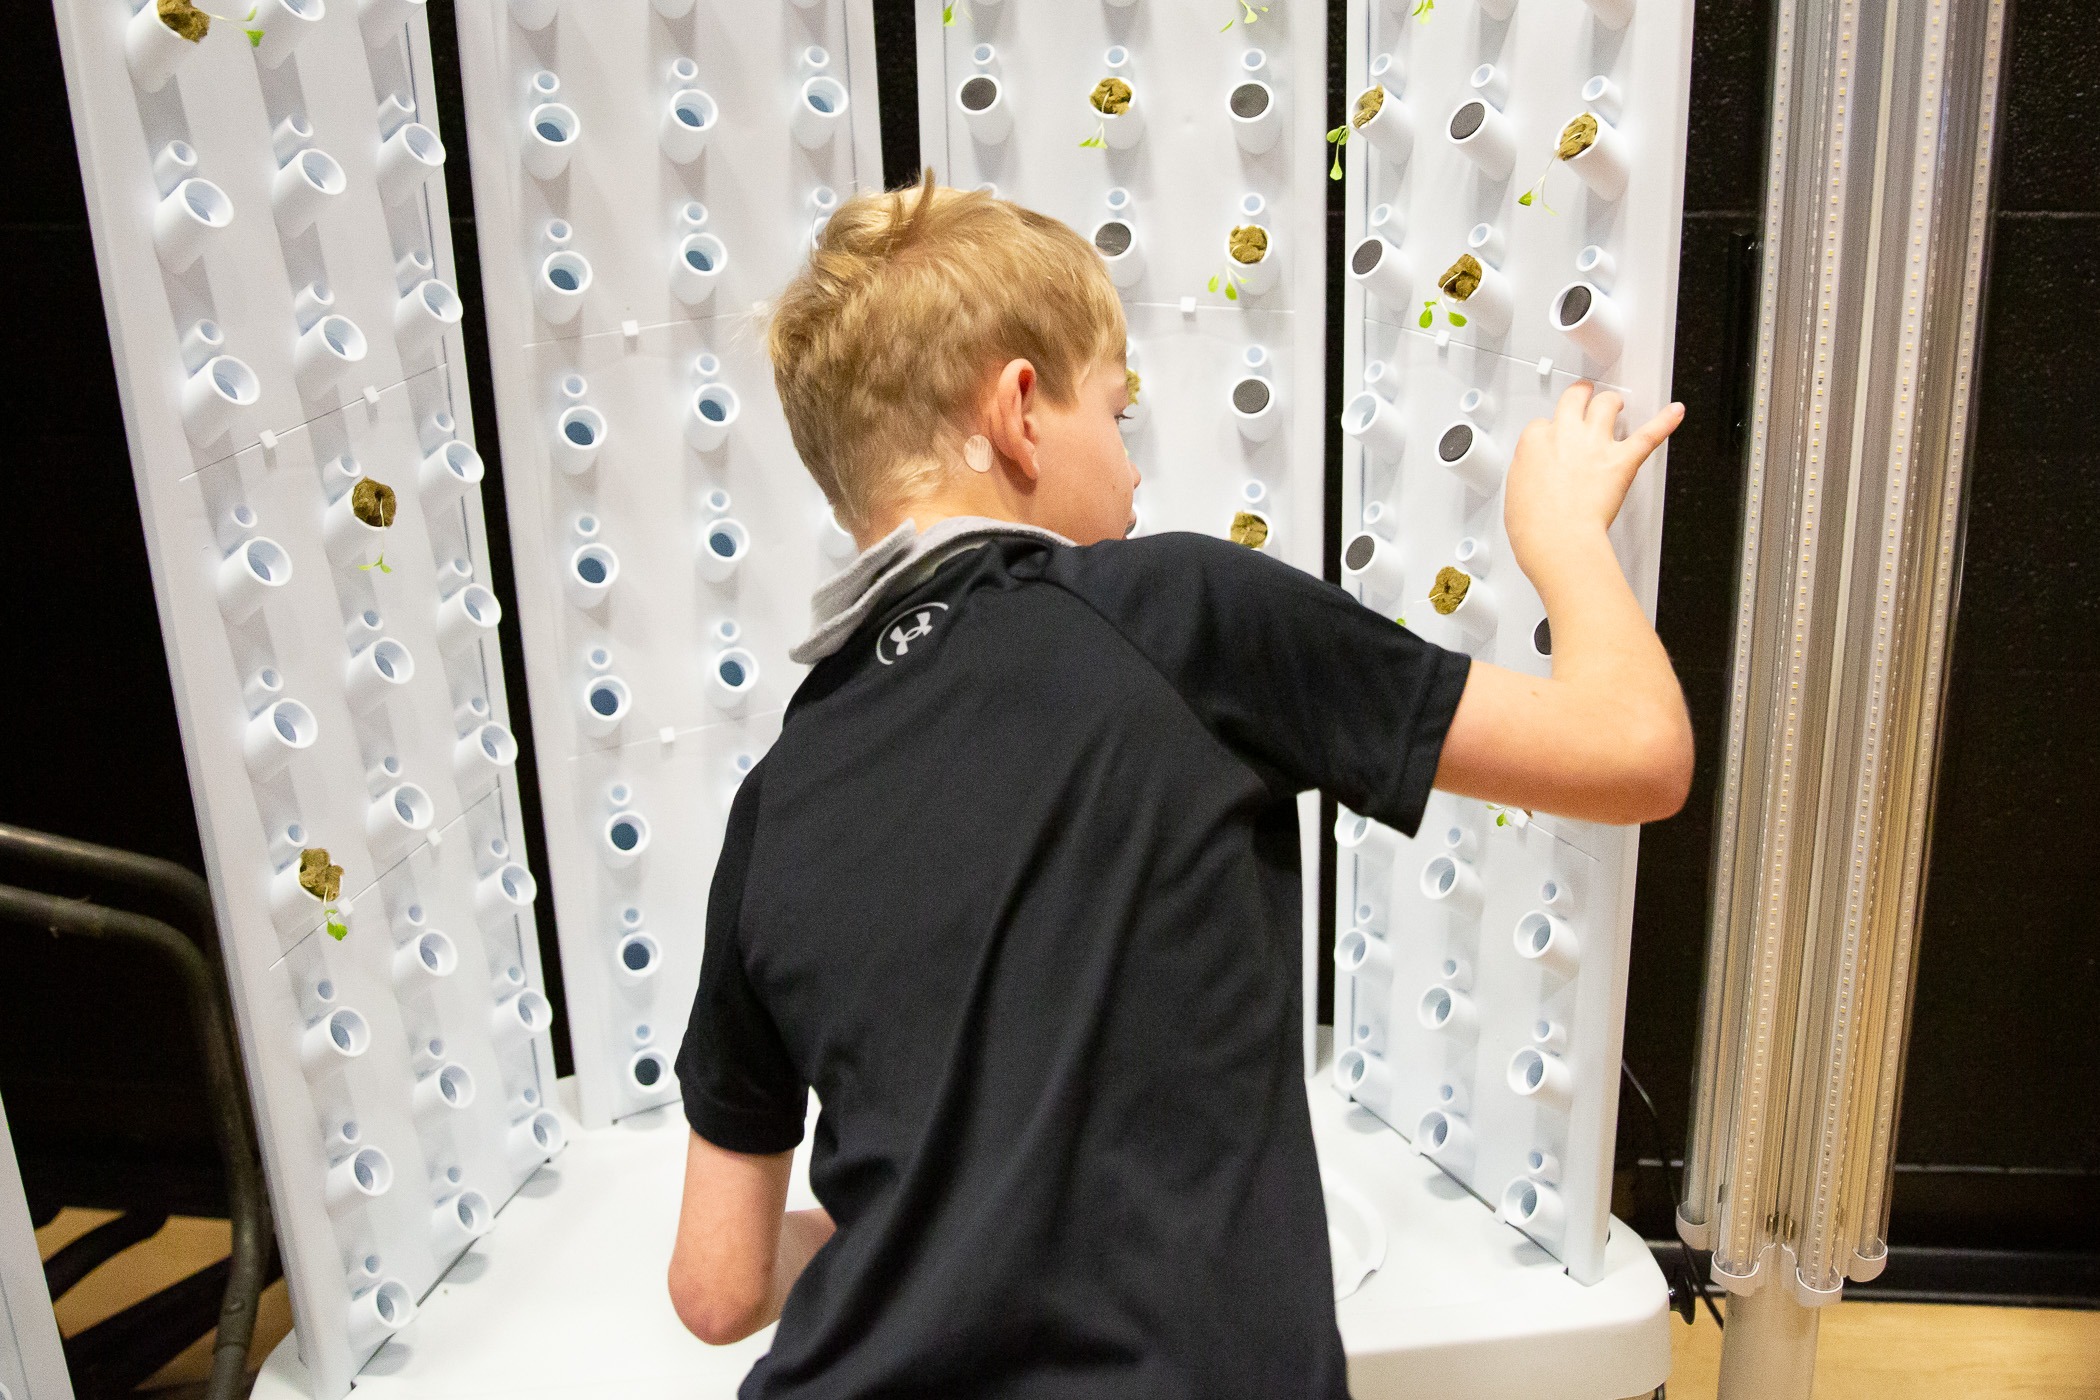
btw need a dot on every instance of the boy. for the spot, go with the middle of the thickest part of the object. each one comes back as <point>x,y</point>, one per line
<point>1017,890</point>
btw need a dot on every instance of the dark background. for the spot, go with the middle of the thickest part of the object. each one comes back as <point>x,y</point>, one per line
<point>2000,1138</point>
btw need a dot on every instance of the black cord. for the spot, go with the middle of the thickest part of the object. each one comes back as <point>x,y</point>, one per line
<point>1662,1152</point>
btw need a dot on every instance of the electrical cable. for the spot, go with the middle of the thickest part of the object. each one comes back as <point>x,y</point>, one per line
<point>1662,1152</point>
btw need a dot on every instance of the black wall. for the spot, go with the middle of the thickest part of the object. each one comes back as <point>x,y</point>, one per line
<point>2000,1141</point>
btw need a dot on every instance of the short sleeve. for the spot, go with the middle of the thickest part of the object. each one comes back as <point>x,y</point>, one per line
<point>1311,688</point>
<point>741,1089</point>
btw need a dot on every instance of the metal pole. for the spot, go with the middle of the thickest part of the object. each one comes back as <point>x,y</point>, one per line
<point>1769,1350</point>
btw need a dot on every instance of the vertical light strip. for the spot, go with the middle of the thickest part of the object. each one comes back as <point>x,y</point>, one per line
<point>1864,380</point>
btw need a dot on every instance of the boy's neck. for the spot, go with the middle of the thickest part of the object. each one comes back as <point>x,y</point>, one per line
<point>979,498</point>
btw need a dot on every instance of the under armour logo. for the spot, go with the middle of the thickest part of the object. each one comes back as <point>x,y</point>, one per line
<point>904,629</point>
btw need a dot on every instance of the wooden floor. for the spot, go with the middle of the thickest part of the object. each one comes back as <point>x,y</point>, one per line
<point>1869,1351</point>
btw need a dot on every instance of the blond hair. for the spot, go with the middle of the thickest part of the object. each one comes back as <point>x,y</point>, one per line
<point>884,342</point>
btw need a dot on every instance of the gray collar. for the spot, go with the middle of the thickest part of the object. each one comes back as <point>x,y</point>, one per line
<point>902,557</point>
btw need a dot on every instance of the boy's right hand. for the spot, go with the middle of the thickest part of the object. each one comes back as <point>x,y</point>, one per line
<point>1570,475</point>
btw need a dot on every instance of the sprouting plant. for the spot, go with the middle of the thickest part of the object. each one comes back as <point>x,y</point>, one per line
<point>1337,138</point>
<point>1576,137</point>
<point>948,14</point>
<point>1247,15</point>
<point>1111,97</point>
<point>1536,193</point>
<point>1510,816</point>
<point>379,564</point>
<point>1422,9</point>
<point>1229,279</point>
<point>337,929</point>
<point>1429,310</point>
<point>192,23</point>
<point>1098,140</point>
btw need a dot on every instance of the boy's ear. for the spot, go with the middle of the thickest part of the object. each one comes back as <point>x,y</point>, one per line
<point>1011,427</point>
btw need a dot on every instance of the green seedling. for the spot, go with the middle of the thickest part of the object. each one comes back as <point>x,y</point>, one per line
<point>192,23</point>
<point>1247,15</point>
<point>1229,279</point>
<point>337,929</point>
<point>1510,816</point>
<point>1337,138</point>
<point>1536,193</point>
<point>948,15</point>
<point>1422,9</point>
<point>379,564</point>
<point>1111,97</point>
<point>1429,313</point>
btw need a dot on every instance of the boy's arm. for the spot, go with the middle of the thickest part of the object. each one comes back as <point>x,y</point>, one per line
<point>1606,739</point>
<point>738,1250</point>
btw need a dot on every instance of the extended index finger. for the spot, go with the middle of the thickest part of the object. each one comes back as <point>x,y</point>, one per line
<point>1651,434</point>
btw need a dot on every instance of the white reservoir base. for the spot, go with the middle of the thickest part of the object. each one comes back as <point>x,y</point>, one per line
<point>565,1297</point>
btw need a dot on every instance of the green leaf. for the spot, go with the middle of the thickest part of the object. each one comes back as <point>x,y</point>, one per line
<point>1334,172</point>
<point>337,929</point>
<point>947,14</point>
<point>1427,317</point>
<point>255,38</point>
<point>1213,284</point>
<point>1454,318</point>
<point>1525,199</point>
<point>1232,292</point>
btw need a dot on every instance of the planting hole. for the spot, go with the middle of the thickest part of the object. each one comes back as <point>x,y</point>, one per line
<point>1574,305</point>
<point>979,93</point>
<point>1357,557</point>
<point>625,835</point>
<point>1250,100</point>
<point>1467,120</point>
<point>1113,238</point>
<point>1251,396</point>
<point>1367,256</point>
<point>1456,442</point>
<point>1542,638</point>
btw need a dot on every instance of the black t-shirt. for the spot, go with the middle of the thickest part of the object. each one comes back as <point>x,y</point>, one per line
<point>1017,892</point>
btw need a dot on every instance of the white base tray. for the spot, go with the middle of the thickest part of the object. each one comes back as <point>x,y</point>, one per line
<point>566,1296</point>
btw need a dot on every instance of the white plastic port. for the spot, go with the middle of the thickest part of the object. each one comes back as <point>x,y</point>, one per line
<point>1251,108</point>
<point>1451,883</point>
<point>200,342</point>
<point>989,118</point>
<point>689,120</point>
<point>152,51</point>
<point>1602,164</point>
<point>273,736</point>
<point>1534,1074</point>
<point>186,219</point>
<point>1360,954</point>
<point>303,188</point>
<point>537,1138</point>
<point>1550,1036</point>
<point>254,571</point>
<point>380,1312</point>
<point>1260,275</point>
<point>461,1219</point>
<point>1597,267</point>
<point>448,1086</point>
<point>1474,614</point>
<point>482,755</point>
<point>625,838</point>
<point>1535,1208</point>
<point>340,1036</point>
<point>467,616</point>
<point>579,431</point>
<point>559,289</point>
<point>1447,1011</point>
<point>1391,131</point>
<point>375,673</point>
<point>820,111</point>
<point>1482,135</point>
<point>1547,940</point>
<point>430,953</point>
<point>1374,562</point>
<point>724,544</point>
<point>364,1175</point>
<point>732,679</point>
<point>508,889</point>
<point>1585,315</point>
<point>1359,835</point>
<point>1253,404</point>
<point>1444,1138</point>
<point>697,268</point>
<point>522,1016</point>
<point>648,1071</point>
<point>1468,449</point>
<point>327,350</point>
<point>551,132</point>
<point>262,690</point>
<point>397,817</point>
<point>603,704</point>
<point>1364,1077</point>
<point>451,472</point>
<point>1376,424</point>
<point>211,396</point>
<point>408,158</point>
<point>1602,96</point>
<point>637,956</point>
<point>1557,895</point>
<point>1492,304</point>
<point>1457,973</point>
<point>1382,270</point>
<point>1542,1165</point>
<point>421,318</point>
<point>1473,554</point>
<point>1117,242</point>
<point>592,572</point>
<point>710,416</point>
